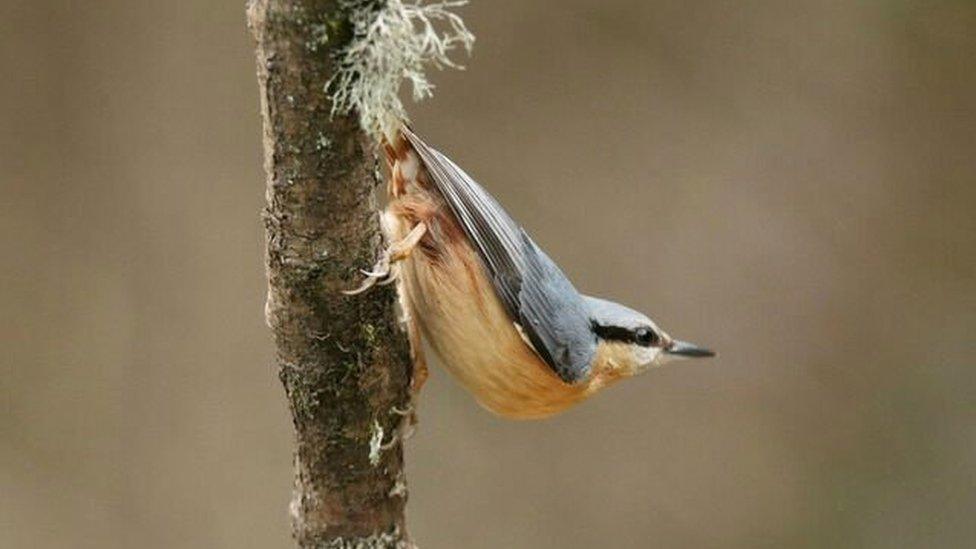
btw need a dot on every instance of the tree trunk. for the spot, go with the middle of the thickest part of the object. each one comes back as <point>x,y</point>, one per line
<point>344,361</point>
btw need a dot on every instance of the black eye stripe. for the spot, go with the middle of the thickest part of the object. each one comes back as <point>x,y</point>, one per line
<point>613,333</point>
<point>643,336</point>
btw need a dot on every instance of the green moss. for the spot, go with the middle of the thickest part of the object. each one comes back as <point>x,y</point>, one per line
<point>369,335</point>
<point>304,390</point>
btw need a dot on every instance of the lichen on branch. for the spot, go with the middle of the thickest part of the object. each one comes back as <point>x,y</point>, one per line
<point>393,41</point>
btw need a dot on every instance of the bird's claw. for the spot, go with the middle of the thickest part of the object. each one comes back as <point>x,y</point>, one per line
<point>381,274</point>
<point>391,278</point>
<point>365,285</point>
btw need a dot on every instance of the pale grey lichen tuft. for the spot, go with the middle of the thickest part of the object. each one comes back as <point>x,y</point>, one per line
<point>393,43</point>
<point>375,443</point>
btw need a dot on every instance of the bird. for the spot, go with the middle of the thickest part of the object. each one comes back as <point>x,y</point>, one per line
<point>499,313</point>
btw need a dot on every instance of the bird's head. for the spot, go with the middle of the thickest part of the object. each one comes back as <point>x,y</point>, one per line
<point>630,343</point>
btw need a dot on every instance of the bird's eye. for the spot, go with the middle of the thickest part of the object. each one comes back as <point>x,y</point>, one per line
<point>645,337</point>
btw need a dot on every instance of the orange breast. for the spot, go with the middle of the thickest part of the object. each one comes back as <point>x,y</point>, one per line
<point>445,291</point>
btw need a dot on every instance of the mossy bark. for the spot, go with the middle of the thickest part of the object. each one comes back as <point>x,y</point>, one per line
<point>344,361</point>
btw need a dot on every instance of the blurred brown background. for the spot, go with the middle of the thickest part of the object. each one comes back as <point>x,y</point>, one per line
<point>793,183</point>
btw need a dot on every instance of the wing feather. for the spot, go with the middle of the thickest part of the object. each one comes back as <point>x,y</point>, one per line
<point>534,291</point>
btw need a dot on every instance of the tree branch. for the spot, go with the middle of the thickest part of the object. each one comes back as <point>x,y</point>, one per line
<point>344,362</point>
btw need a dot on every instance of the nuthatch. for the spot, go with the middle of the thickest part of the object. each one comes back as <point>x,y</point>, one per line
<point>495,308</point>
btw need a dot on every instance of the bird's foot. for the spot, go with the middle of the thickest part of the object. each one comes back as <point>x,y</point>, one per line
<point>381,274</point>
<point>408,426</point>
<point>384,271</point>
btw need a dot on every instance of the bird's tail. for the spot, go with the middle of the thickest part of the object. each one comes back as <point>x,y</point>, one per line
<point>406,155</point>
<point>396,152</point>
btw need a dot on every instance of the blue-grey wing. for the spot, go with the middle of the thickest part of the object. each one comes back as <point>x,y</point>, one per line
<point>554,316</point>
<point>534,291</point>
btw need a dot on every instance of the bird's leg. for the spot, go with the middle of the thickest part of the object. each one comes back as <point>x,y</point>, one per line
<point>383,273</point>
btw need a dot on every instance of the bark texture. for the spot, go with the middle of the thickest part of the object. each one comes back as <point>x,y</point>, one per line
<point>344,361</point>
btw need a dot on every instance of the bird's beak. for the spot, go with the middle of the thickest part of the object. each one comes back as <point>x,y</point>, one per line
<point>682,349</point>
